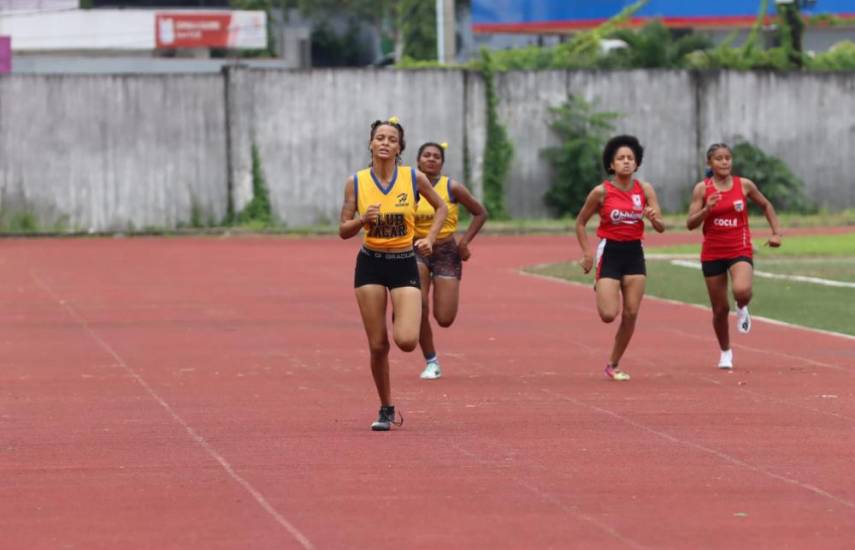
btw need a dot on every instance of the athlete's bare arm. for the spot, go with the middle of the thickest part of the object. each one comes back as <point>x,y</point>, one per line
<point>348,226</point>
<point>752,192</point>
<point>479,216</point>
<point>592,204</point>
<point>698,208</point>
<point>652,211</point>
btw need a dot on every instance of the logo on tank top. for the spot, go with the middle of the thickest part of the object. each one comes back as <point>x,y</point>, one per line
<point>738,205</point>
<point>402,199</point>
<point>726,222</point>
<point>636,201</point>
<point>619,216</point>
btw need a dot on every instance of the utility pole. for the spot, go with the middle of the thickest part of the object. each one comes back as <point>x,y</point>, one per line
<point>446,39</point>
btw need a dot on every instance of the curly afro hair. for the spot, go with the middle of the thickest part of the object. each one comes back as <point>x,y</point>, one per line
<point>611,149</point>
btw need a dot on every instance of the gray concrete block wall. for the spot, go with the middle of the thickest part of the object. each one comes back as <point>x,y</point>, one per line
<point>806,119</point>
<point>312,129</point>
<point>105,153</point>
<point>657,106</point>
<point>117,152</point>
<point>524,102</point>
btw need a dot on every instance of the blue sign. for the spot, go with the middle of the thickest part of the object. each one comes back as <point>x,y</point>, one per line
<point>543,15</point>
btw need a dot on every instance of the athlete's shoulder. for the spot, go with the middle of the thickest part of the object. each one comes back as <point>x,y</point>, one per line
<point>746,183</point>
<point>599,191</point>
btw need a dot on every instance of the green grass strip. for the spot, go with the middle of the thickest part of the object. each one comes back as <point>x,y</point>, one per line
<point>804,304</point>
<point>796,246</point>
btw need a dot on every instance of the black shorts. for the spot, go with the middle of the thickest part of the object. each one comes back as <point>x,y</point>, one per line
<point>389,269</point>
<point>445,260</point>
<point>618,258</point>
<point>714,268</point>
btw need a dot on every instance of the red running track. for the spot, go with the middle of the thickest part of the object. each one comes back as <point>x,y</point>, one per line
<point>215,393</point>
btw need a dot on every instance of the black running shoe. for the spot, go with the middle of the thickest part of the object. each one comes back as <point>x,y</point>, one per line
<point>386,419</point>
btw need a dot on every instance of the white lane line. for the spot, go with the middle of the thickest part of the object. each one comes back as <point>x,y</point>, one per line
<point>611,531</point>
<point>723,456</point>
<point>758,395</point>
<point>696,306</point>
<point>780,276</point>
<point>773,353</point>
<point>256,494</point>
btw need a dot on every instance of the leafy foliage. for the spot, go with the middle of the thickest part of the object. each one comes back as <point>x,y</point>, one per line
<point>841,57</point>
<point>498,149</point>
<point>331,49</point>
<point>576,162</point>
<point>418,29</point>
<point>258,209</point>
<point>654,45</point>
<point>773,177</point>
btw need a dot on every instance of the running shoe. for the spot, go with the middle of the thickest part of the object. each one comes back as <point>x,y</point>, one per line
<point>386,419</point>
<point>726,360</point>
<point>743,320</point>
<point>432,371</point>
<point>613,372</point>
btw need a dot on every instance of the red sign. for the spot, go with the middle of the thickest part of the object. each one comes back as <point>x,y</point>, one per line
<point>192,30</point>
<point>5,54</point>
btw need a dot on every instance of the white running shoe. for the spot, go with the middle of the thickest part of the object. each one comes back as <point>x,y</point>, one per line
<point>743,320</point>
<point>726,360</point>
<point>432,371</point>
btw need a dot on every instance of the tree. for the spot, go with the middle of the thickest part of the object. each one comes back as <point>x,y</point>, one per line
<point>773,177</point>
<point>391,20</point>
<point>576,162</point>
<point>654,46</point>
<point>791,31</point>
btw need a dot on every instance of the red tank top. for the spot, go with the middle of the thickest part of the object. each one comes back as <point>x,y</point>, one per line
<point>622,213</point>
<point>726,233</point>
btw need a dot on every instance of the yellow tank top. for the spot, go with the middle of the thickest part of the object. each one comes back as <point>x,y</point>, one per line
<point>394,228</point>
<point>426,211</point>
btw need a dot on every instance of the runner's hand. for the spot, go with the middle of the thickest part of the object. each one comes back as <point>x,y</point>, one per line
<point>649,212</point>
<point>372,214</point>
<point>774,241</point>
<point>587,262</point>
<point>424,246</point>
<point>463,250</point>
<point>712,200</point>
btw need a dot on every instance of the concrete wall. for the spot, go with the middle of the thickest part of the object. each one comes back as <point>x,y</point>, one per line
<point>808,120</point>
<point>112,153</point>
<point>312,129</point>
<point>656,106</point>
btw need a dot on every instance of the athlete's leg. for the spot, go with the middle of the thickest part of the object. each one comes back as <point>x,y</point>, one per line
<point>425,333</point>
<point>633,291</point>
<point>717,290</point>
<point>446,297</point>
<point>741,276</point>
<point>608,299</point>
<point>407,309</point>
<point>372,307</point>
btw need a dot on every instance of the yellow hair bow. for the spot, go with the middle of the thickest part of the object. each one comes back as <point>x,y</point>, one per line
<point>444,145</point>
<point>393,120</point>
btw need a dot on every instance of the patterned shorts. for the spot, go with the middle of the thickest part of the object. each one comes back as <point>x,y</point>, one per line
<point>445,260</point>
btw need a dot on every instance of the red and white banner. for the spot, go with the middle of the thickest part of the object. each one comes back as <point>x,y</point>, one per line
<point>247,30</point>
<point>5,54</point>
